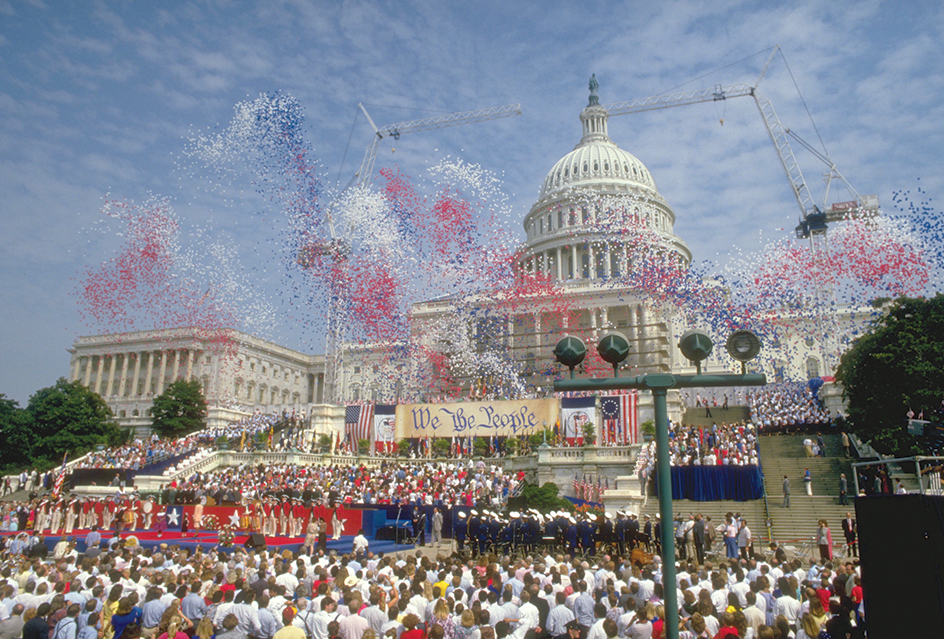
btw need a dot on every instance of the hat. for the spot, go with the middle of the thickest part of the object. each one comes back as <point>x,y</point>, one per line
<point>350,581</point>
<point>461,514</point>
<point>573,624</point>
<point>288,614</point>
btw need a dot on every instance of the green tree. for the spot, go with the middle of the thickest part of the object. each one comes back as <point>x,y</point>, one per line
<point>180,409</point>
<point>67,417</point>
<point>15,434</point>
<point>897,365</point>
<point>589,434</point>
<point>441,447</point>
<point>545,498</point>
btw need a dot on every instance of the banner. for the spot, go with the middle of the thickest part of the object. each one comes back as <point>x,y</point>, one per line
<point>575,413</point>
<point>620,423</point>
<point>478,419</point>
<point>384,423</point>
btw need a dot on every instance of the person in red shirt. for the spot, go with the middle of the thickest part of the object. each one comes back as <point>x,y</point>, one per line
<point>410,622</point>
<point>728,629</point>
<point>857,590</point>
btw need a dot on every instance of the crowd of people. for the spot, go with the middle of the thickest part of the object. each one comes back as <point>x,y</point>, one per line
<point>426,483</point>
<point>715,445</point>
<point>115,591</point>
<point>787,410</point>
<point>140,453</point>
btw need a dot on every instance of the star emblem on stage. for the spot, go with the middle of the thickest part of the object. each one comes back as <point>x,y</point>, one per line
<point>234,519</point>
<point>172,515</point>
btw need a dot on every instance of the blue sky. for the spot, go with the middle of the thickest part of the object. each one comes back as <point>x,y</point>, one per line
<point>100,98</point>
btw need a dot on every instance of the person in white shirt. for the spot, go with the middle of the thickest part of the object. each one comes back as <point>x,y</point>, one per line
<point>528,617</point>
<point>559,615</point>
<point>596,630</point>
<point>787,603</point>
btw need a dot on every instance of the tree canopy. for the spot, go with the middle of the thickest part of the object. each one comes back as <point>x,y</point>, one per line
<point>898,365</point>
<point>64,418</point>
<point>180,409</point>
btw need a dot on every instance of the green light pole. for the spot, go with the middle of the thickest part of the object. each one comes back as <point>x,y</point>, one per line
<point>695,346</point>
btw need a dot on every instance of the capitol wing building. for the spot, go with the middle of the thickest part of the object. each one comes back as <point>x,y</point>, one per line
<point>599,216</point>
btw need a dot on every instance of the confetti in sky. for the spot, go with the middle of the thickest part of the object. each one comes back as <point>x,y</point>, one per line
<point>372,251</point>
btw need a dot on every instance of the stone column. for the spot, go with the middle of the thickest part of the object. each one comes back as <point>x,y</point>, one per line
<point>160,379</point>
<point>88,371</point>
<point>76,364</point>
<point>100,374</point>
<point>534,264</point>
<point>137,371</point>
<point>634,336</point>
<point>113,361</point>
<point>560,268</point>
<point>625,267</point>
<point>591,262</point>
<point>537,330</point>
<point>190,354</point>
<point>124,375</point>
<point>150,371</point>
<point>604,317</point>
<point>576,271</point>
<point>643,336</point>
<point>176,370</point>
<point>608,267</point>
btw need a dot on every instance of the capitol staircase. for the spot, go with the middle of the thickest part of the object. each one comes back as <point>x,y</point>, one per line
<point>785,455</point>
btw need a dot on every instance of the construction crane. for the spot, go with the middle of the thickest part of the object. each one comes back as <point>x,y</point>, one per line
<point>814,219</point>
<point>338,246</point>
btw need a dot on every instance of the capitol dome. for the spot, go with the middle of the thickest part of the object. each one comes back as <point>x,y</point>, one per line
<point>595,160</point>
<point>577,228</point>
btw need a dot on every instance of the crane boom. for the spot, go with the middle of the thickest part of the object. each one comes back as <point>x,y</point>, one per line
<point>776,130</point>
<point>425,124</point>
<point>679,99</point>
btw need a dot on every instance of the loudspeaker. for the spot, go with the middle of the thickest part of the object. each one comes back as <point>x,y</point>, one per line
<point>901,545</point>
<point>256,542</point>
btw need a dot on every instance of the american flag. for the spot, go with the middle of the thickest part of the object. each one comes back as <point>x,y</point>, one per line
<point>619,418</point>
<point>576,486</point>
<point>587,487</point>
<point>60,479</point>
<point>357,423</point>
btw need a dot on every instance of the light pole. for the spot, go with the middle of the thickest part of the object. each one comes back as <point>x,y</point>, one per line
<point>695,346</point>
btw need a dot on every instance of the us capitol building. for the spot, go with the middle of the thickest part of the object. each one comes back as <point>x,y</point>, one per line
<point>576,238</point>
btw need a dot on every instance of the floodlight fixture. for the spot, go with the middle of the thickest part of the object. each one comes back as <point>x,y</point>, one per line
<point>613,348</point>
<point>743,346</point>
<point>695,346</point>
<point>570,351</point>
